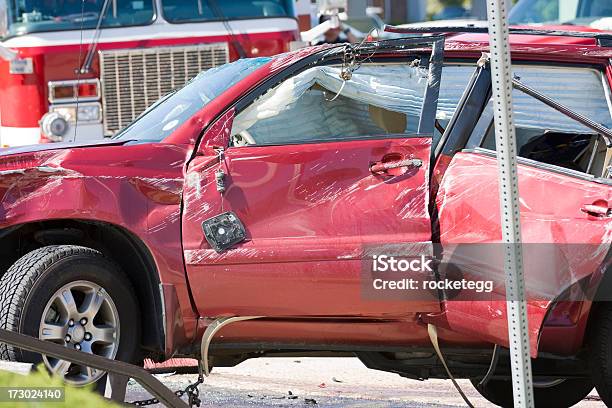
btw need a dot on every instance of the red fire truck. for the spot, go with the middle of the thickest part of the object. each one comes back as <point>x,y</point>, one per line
<point>100,63</point>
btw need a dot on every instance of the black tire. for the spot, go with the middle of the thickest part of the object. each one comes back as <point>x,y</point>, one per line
<point>564,394</point>
<point>600,351</point>
<point>30,283</point>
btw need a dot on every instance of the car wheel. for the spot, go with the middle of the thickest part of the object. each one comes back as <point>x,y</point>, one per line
<point>73,296</point>
<point>554,394</point>
<point>600,351</point>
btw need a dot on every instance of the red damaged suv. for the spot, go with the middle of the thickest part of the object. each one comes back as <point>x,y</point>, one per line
<point>338,199</point>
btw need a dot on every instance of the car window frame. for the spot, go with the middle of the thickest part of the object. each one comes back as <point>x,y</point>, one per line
<point>413,46</point>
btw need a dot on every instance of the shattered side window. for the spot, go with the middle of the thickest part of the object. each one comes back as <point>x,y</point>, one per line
<point>316,105</point>
<point>580,89</point>
<point>545,135</point>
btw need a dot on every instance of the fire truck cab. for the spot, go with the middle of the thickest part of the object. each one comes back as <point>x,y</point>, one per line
<point>100,63</point>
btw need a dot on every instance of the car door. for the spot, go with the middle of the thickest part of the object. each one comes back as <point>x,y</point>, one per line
<point>319,186</point>
<point>565,198</point>
<point>564,242</point>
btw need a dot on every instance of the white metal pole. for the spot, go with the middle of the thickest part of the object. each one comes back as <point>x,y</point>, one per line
<point>505,138</point>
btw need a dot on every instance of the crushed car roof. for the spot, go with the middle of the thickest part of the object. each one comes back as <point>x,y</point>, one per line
<point>558,47</point>
<point>564,47</point>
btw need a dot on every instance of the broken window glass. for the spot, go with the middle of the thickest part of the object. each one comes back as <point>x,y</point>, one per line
<point>545,135</point>
<point>582,90</point>
<point>317,105</point>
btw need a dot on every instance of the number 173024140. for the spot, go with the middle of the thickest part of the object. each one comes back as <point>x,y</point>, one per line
<point>32,394</point>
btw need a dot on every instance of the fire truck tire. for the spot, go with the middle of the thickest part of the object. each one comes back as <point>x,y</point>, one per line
<point>74,296</point>
<point>561,394</point>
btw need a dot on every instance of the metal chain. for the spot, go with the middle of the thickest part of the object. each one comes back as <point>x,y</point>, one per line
<point>192,392</point>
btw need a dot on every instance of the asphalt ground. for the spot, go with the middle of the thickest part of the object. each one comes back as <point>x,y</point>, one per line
<point>321,382</point>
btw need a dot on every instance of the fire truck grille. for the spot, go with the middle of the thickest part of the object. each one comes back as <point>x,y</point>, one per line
<point>134,79</point>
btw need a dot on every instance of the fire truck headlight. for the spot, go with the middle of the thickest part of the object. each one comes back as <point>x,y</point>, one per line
<point>88,113</point>
<point>54,126</point>
<point>67,112</point>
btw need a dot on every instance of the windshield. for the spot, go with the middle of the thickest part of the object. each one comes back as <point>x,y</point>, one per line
<point>167,114</point>
<point>26,16</point>
<point>205,10</point>
<point>573,12</point>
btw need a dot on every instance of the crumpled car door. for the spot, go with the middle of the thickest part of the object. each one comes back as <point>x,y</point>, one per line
<point>313,215</point>
<point>565,222</point>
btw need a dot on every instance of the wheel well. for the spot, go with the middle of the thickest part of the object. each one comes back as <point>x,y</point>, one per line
<point>603,294</point>
<point>570,310</point>
<point>113,241</point>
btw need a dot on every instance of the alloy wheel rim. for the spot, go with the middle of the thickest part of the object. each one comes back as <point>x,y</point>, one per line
<point>81,315</point>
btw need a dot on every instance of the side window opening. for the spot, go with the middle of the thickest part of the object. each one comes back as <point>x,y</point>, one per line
<point>583,152</point>
<point>370,107</point>
<point>545,135</point>
<point>316,117</point>
<point>380,100</point>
